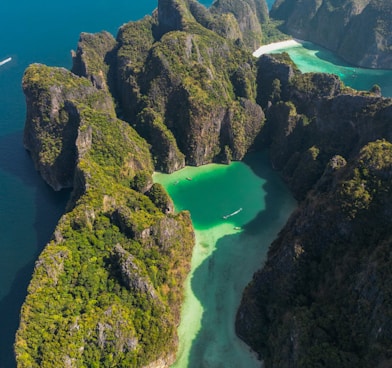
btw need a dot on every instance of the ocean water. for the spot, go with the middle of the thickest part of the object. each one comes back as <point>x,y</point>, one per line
<point>45,31</point>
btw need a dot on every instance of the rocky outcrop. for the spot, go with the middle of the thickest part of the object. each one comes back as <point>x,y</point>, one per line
<point>130,274</point>
<point>358,31</point>
<point>173,85</point>
<point>93,57</point>
<point>52,121</point>
<point>312,117</point>
<point>190,91</point>
<point>111,279</point>
<point>250,14</point>
<point>319,299</point>
<point>323,283</point>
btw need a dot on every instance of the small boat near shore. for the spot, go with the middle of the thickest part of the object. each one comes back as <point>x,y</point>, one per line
<point>5,61</point>
<point>232,214</point>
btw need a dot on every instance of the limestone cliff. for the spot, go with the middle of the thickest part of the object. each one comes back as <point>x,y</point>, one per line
<point>320,299</point>
<point>357,30</point>
<point>250,14</point>
<point>183,86</point>
<point>107,289</point>
<point>52,123</point>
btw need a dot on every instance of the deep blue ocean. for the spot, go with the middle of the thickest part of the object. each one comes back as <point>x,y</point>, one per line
<point>40,31</point>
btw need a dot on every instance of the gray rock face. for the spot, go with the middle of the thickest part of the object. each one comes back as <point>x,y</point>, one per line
<point>130,273</point>
<point>249,15</point>
<point>357,30</point>
<point>321,283</point>
<point>51,130</point>
<point>93,57</point>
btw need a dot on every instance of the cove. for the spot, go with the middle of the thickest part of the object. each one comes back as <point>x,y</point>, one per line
<point>227,251</point>
<point>313,58</point>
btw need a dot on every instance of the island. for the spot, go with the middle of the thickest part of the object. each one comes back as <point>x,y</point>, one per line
<point>181,87</point>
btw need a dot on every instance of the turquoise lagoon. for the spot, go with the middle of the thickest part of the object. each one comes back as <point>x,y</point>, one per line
<point>227,253</point>
<point>312,58</point>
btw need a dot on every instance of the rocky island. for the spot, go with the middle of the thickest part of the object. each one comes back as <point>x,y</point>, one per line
<point>181,87</point>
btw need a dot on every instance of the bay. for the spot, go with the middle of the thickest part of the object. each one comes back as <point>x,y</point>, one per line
<point>313,58</point>
<point>237,211</point>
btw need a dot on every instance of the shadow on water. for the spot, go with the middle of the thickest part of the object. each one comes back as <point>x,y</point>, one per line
<point>48,208</point>
<point>219,281</point>
<point>326,55</point>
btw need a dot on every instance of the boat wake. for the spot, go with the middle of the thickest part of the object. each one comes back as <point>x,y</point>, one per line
<point>5,61</point>
<point>232,214</point>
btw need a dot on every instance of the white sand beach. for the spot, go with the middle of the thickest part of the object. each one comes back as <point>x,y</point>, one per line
<point>265,49</point>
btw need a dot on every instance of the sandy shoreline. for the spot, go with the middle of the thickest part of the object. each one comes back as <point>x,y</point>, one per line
<point>275,46</point>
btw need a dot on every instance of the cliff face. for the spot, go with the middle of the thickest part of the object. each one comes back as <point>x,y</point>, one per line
<point>181,84</point>
<point>52,123</point>
<point>249,14</point>
<point>320,299</point>
<point>107,289</point>
<point>357,30</point>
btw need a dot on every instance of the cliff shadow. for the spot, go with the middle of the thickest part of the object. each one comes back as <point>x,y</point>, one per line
<point>326,55</point>
<point>219,281</point>
<point>46,206</point>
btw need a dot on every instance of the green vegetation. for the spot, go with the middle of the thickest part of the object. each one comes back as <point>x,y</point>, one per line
<point>367,183</point>
<point>331,290</point>
<point>272,32</point>
<point>92,57</point>
<point>323,297</point>
<point>107,290</point>
<point>160,198</point>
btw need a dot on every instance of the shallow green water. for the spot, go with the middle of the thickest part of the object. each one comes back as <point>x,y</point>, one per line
<point>312,58</point>
<point>227,253</point>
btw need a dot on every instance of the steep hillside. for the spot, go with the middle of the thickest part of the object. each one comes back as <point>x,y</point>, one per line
<point>183,82</point>
<point>107,290</point>
<point>322,298</point>
<point>357,30</point>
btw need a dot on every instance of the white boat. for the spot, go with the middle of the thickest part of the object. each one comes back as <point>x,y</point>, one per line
<point>232,214</point>
<point>5,61</point>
